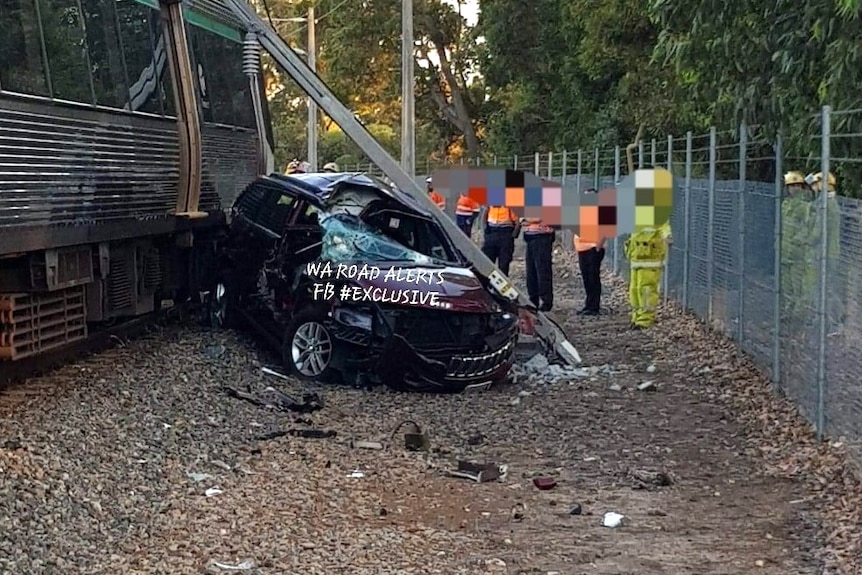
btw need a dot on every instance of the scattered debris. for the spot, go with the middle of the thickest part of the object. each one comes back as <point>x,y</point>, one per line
<point>310,402</point>
<point>612,519</point>
<point>651,368</point>
<point>304,433</point>
<point>198,477</point>
<point>478,472</point>
<point>356,474</point>
<point>274,373</point>
<point>496,565</point>
<point>576,509</point>
<point>647,386</point>
<point>244,566</point>
<point>616,387</point>
<point>518,511</point>
<point>366,445</point>
<point>213,491</point>
<point>645,479</point>
<point>544,483</point>
<point>215,351</point>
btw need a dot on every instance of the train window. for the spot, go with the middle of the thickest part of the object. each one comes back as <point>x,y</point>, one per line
<point>224,87</point>
<point>21,67</point>
<point>105,51</point>
<point>145,50</point>
<point>66,48</point>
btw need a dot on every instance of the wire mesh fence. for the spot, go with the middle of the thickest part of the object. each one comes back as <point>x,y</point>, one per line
<point>776,269</point>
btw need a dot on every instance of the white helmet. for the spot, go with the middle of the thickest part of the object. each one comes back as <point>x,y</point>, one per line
<point>331,167</point>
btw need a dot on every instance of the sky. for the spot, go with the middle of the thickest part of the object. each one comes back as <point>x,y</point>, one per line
<point>469,9</point>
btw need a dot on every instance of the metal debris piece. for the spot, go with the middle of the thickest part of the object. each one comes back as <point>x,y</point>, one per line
<point>478,472</point>
<point>244,566</point>
<point>213,491</point>
<point>414,440</point>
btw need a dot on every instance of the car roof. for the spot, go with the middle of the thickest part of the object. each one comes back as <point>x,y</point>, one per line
<point>320,184</point>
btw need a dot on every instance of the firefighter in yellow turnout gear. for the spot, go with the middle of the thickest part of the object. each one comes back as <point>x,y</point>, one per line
<point>798,249</point>
<point>836,288</point>
<point>646,249</point>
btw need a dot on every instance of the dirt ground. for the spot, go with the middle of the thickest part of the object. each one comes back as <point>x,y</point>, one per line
<point>102,451</point>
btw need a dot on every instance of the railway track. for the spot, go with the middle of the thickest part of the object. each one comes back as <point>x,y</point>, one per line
<point>15,373</point>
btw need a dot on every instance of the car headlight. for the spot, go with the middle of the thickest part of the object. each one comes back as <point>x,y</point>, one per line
<point>353,318</point>
<point>503,321</point>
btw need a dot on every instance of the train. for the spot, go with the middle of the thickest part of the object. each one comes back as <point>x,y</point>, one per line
<point>127,129</point>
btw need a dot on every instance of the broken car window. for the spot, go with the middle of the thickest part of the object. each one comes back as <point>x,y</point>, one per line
<point>347,238</point>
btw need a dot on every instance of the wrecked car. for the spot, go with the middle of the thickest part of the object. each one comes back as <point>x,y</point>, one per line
<point>451,333</point>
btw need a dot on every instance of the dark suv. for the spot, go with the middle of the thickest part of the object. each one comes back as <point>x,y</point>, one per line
<point>453,333</point>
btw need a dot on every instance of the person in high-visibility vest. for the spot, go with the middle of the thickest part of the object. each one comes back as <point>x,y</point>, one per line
<point>539,261</point>
<point>646,249</point>
<point>435,197</point>
<point>465,213</point>
<point>590,256</point>
<point>501,228</point>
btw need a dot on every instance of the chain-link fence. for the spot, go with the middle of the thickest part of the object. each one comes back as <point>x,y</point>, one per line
<point>777,270</point>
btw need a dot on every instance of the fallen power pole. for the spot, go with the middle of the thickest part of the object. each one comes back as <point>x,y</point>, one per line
<point>547,328</point>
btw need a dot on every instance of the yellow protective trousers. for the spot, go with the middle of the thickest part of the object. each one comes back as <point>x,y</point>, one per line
<point>646,250</point>
<point>645,291</point>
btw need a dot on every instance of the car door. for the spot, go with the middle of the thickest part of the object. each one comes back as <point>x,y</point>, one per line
<point>261,215</point>
<point>302,238</point>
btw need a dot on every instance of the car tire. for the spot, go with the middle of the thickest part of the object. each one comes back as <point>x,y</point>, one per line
<point>308,329</point>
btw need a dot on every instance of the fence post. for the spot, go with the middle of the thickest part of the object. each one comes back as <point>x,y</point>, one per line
<point>652,154</point>
<point>825,152</point>
<point>670,153</point>
<point>596,171</point>
<point>640,154</point>
<point>616,262</point>
<point>565,161</point>
<point>776,262</point>
<point>515,162</point>
<point>665,277</point>
<point>689,152</point>
<point>743,191</point>
<point>536,159</point>
<point>550,165</point>
<point>495,160</point>
<point>710,237</point>
<point>580,166</point>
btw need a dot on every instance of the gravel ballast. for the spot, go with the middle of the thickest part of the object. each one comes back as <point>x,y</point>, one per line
<point>136,460</point>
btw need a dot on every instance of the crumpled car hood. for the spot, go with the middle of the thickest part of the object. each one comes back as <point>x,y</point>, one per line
<point>460,291</point>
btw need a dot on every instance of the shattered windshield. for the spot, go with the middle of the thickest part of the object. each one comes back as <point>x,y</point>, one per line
<point>347,238</point>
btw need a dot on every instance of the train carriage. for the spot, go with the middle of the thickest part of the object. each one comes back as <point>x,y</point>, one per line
<point>127,127</point>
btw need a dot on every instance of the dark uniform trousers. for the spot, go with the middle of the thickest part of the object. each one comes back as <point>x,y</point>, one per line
<point>590,262</point>
<point>499,246</point>
<point>540,278</point>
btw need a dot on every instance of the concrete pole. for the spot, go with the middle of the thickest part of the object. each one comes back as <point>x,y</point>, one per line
<point>408,95</point>
<point>312,106</point>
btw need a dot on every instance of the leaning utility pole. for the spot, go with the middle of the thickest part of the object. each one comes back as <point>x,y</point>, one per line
<point>312,105</point>
<point>408,94</point>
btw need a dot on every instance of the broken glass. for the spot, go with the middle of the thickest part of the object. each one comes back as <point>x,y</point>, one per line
<point>347,238</point>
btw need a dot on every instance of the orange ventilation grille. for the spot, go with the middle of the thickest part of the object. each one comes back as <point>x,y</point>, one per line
<point>35,323</point>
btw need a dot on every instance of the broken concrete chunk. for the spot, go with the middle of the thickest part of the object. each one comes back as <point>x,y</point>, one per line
<point>647,386</point>
<point>538,363</point>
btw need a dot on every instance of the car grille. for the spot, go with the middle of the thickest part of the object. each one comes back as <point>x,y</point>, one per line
<point>432,330</point>
<point>472,366</point>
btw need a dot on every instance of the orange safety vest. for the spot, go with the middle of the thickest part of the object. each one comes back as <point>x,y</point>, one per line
<point>438,199</point>
<point>535,226</point>
<point>501,216</point>
<point>466,206</point>
<point>581,245</point>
